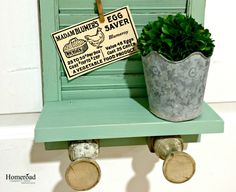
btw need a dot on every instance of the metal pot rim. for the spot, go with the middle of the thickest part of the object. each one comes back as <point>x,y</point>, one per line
<point>175,62</point>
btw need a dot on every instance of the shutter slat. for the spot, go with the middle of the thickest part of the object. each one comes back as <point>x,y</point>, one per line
<point>103,82</point>
<point>66,20</point>
<point>103,93</point>
<point>133,4</point>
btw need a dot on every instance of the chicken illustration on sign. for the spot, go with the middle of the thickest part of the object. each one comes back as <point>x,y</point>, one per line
<point>97,39</point>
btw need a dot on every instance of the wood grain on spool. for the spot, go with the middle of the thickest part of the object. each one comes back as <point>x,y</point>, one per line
<point>179,167</point>
<point>83,174</point>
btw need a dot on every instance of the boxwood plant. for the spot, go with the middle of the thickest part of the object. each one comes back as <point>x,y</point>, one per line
<point>175,37</point>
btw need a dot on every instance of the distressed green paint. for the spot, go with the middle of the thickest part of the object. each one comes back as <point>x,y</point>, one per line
<point>104,104</point>
<point>50,67</point>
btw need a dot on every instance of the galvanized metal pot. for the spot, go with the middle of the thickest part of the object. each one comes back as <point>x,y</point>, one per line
<point>176,89</point>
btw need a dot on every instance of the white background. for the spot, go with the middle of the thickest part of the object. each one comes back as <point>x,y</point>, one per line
<point>20,78</point>
<point>219,19</point>
<point>124,169</point>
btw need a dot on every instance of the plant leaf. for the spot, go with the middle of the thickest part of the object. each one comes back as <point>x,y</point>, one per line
<point>175,37</point>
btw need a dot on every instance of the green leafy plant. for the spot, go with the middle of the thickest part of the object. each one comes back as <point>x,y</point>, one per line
<point>175,37</point>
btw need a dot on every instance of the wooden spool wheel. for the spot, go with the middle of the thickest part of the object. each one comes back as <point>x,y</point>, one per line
<point>83,173</point>
<point>178,166</point>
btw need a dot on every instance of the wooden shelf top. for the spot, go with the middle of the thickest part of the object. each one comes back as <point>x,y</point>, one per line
<point>115,118</point>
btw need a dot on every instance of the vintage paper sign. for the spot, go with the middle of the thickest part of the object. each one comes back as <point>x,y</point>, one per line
<point>90,45</point>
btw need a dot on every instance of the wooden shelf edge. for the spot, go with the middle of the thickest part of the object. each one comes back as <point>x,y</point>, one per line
<point>131,119</point>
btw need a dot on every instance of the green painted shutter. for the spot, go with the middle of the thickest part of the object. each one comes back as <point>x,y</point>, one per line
<point>123,78</point>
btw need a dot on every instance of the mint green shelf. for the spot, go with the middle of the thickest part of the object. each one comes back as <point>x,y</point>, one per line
<point>115,118</point>
<point>102,105</point>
